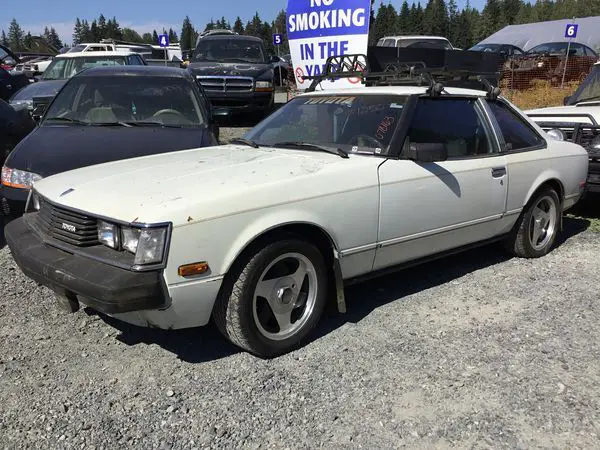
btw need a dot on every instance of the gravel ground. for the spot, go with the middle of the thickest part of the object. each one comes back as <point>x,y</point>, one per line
<point>472,351</point>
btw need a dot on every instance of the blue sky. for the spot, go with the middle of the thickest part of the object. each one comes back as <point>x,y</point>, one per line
<point>141,15</point>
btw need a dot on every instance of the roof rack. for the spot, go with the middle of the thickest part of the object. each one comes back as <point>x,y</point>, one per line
<point>400,71</point>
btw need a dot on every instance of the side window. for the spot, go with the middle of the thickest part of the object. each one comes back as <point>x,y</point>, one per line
<point>517,133</point>
<point>455,122</point>
<point>134,60</point>
<point>578,50</point>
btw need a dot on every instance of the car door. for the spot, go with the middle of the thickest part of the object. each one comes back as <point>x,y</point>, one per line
<point>427,208</point>
<point>522,146</point>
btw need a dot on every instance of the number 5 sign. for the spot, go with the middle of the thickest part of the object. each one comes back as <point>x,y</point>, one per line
<point>571,30</point>
<point>277,39</point>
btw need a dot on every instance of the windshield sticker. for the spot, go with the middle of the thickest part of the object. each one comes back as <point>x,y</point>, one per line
<point>354,149</point>
<point>377,151</point>
<point>384,127</point>
<point>396,106</point>
<point>345,101</point>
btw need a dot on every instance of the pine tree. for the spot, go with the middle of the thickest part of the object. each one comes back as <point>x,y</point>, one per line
<point>386,21</point>
<point>154,37</point>
<point>435,20</point>
<point>86,34</point>
<point>491,18</point>
<point>511,10</point>
<point>454,30</point>
<point>130,35</point>
<point>77,32</point>
<point>254,27</point>
<point>16,36</point>
<point>4,39</point>
<point>147,38</point>
<point>238,26</point>
<point>404,18</point>
<point>188,42</point>
<point>172,36</point>
<point>102,27</point>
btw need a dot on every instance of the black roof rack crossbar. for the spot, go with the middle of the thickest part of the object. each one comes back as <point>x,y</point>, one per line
<point>403,73</point>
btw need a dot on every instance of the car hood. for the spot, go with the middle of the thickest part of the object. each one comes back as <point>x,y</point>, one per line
<point>229,69</point>
<point>581,113</point>
<point>54,149</point>
<point>39,89</point>
<point>203,184</point>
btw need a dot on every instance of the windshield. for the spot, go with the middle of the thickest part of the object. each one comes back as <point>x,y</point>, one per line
<point>139,100</point>
<point>63,68</point>
<point>558,48</point>
<point>589,89</point>
<point>424,43</point>
<point>486,47</point>
<point>354,123</point>
<point>230,50</point>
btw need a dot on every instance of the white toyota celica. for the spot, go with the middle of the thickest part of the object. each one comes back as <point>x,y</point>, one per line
<point>335,186</point>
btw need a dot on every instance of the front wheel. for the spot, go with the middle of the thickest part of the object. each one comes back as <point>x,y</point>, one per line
<point>537,227</point>
<point>274,298</point>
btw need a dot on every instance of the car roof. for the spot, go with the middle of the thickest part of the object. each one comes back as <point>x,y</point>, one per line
<point>131,70</point>
<point>441,38</point>
<point>88,54</point>
<point>242,37</point>
<point>558,42</point>
<point>394,90</point>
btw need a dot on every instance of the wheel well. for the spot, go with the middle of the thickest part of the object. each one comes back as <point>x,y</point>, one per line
<point>555,185</point>
<point>311,233</point>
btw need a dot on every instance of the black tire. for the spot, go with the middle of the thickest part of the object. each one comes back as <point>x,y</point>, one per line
<point>520,242</point>
<point>234,310</point>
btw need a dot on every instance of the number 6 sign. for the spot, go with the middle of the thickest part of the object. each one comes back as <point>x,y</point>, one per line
<point>571,30</point>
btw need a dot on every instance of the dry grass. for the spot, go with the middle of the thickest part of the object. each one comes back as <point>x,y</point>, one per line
<point>541,95</point>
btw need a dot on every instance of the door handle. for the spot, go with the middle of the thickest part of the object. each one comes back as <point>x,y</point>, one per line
<point>498,172</point>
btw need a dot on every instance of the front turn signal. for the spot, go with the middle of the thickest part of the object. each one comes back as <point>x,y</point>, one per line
<point>190,270</point>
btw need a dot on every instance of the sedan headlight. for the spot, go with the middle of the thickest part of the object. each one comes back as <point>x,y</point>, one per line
<point>147,244</point>
<point>264,86</point>
<point>19,105</point>
<point>556,134</point>
<point>108,234</point>
<point>19,179</point>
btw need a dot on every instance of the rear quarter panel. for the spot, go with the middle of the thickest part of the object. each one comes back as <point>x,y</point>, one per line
<point>528,170</point>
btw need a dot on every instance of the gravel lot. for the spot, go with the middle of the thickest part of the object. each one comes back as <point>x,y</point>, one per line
<point>472,351</point>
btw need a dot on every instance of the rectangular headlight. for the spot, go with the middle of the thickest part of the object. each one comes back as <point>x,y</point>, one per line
<point>108,234</point>
<point>264,86</point>
<point>151,246</point>
<point>130,239</point>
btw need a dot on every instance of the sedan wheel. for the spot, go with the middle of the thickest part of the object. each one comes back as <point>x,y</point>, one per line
<point>537,227</point>
<point>274,298</point>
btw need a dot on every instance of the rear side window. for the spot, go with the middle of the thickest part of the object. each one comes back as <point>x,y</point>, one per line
<point>456,122</point>
<point>517,133</point>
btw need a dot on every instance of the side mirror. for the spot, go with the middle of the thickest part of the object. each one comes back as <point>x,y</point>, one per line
<point>220,112</point>
<point>427,152</point>
<point>38,112</point>
<point>566,100</point>
<point>274,59</point>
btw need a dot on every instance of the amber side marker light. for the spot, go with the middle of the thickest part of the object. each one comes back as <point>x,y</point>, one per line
<point>189,270</point>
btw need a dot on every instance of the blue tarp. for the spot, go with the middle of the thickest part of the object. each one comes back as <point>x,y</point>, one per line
<point>529,35</point>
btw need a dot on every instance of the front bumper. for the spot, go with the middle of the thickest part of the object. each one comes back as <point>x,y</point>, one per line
<point>105,288</point>
<point>13,200</point>
<point>241,102</point>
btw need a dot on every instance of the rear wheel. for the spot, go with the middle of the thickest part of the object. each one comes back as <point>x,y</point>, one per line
<point>537,227</point>
<point>274,298</point>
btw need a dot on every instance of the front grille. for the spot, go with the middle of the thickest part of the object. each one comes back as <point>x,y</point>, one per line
<point>68,226</point>
<point>226,84</point>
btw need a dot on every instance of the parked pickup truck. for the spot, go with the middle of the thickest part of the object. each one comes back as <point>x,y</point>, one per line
<point>578,121</point>
<point>236,73</point>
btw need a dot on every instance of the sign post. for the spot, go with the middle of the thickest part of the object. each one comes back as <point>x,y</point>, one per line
<point>277,41</point>
<point>163,42</point>
<point>319,29</point>
<point>570,33</point>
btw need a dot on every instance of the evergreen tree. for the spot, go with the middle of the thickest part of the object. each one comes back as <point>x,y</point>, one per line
<point>188,41</point>
<point>491,19</point>
<point>4,39</point>
<point>154,37</point>
<point>130,35</point>
<point>172,36</point>
<point>146,38</point>
<point>238,26</point>
<point>94,31</point>
<point>404,19</point>
<point>254,27</point>
<point>55,39</point>
<point>77,32</point>
<point>435,20</point>
<point>386,21</point>
<point>102,26</point>
<point>16,35</point>
<point>454,30</point>
<point>511,10</point>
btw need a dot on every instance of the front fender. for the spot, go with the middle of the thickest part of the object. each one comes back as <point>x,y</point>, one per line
<point>270,221</point>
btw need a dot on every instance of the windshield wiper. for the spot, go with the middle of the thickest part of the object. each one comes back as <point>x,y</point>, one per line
<point>110,124</point>
<point>149,123</point>
<point>243,141</point>
<point>67,119</point>
<point>309,146</point>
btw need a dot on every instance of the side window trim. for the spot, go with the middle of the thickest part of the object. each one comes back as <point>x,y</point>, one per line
<point>525,120</point>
